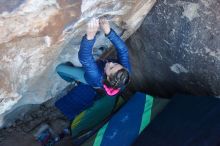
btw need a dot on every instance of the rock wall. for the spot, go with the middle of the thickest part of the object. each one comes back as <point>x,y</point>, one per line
<point>177,49</point>
<point>36,35</point>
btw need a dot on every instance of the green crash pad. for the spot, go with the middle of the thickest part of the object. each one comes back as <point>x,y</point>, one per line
<point>94,115</point>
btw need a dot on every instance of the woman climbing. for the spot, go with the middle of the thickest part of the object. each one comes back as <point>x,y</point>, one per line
<point>107,75</point>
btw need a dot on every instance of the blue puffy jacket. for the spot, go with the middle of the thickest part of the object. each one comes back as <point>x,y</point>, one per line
<point>94,70</point>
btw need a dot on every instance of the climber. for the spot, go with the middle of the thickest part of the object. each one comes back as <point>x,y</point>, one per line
<point>101,74</point>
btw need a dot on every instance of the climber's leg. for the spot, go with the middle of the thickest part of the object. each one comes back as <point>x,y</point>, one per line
<point>70,73</point>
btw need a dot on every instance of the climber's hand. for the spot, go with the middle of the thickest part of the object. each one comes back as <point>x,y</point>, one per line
<point>92,28</point>
<point>104,25</point>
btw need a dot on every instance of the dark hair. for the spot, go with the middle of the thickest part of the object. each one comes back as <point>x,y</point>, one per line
<point>118,80</point>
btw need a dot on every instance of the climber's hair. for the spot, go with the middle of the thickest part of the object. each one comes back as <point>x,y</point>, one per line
<point>118,80</point>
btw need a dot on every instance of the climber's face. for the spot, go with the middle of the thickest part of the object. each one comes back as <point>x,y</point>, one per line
<point>111,68</point>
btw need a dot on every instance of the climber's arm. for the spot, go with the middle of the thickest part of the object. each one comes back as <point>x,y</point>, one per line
<point>85,54</point>
<point>119,44</point>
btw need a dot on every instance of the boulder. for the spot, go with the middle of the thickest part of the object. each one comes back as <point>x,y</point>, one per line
<point>177,49</point>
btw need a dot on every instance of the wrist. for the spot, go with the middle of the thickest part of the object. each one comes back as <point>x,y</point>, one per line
<point>107,31</point>
<point>90,37</point>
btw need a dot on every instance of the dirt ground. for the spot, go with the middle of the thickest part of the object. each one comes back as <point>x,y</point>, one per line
<point>21,132</point>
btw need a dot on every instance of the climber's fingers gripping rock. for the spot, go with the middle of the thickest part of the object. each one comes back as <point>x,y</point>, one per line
<point>92,28</point>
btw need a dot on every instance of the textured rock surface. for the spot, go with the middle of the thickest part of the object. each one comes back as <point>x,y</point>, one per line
<point>177,48</point>
<point>36,35</point>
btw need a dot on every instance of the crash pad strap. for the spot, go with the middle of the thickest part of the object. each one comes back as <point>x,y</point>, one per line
<point>99,136</point>
<point>146,117</point>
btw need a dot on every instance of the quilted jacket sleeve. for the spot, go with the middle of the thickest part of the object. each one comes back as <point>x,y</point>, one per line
<point>121,48</point>
<point>92,72</point>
